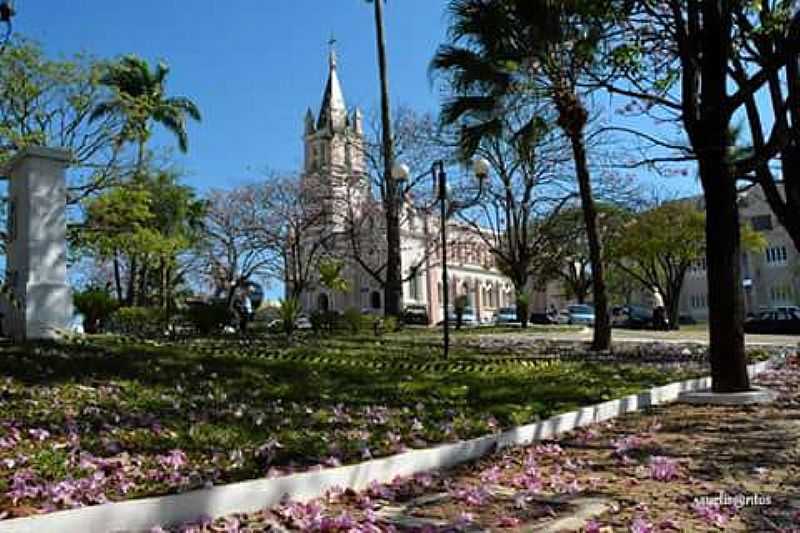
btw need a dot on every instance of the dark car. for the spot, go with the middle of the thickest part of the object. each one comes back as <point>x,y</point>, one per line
<point>543,319</point>
<point>632,316</point>
<point>416,314</point>
<point>776,322</point>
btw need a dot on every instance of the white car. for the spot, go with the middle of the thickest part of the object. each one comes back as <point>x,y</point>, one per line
<point>467,319</point>
<point>581,314</point>
<point>302,322</point>
<point>76,324</point>
<point>506,315</point>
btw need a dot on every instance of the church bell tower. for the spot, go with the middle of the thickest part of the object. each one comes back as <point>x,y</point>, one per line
<point>334,148</point>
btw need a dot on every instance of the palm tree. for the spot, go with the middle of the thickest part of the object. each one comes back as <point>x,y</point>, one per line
<point>505,55</point>
<point>139,96</point>
<point>394,270</point>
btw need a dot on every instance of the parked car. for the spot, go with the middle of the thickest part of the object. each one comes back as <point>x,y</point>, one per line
<point>580,314</point>
<point>543,319</point>
<point>774,321</point>
<point>467,319</point>
<point>789,309</point>
<point>632,316</point>
<point>76,324</point>
<point>416,314</point>
<point>506,315</point>
<point>302,322</point>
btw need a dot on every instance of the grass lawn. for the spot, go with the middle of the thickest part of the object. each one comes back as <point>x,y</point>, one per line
<point>106,421</point>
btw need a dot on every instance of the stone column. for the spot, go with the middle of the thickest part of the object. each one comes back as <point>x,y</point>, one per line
<point>36,262</point>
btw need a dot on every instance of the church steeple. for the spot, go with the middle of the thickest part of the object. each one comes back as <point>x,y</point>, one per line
<point>333,112</point>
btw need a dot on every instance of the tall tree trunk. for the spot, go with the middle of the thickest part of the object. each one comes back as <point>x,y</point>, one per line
<point>723,247</point>
<point>725,299</point>
<point>522,305</point>
<point>572,118</point>
<point>164,279</point>
<point>393,290</point>
<point>117,276</point>
<point>602,325</point>
<point>672,306</point>
<point>130,295</point>
<point>142,292</point>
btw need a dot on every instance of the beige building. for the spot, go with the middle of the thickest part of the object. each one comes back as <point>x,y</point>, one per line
<point>770,277</point>
<point>334,167</point>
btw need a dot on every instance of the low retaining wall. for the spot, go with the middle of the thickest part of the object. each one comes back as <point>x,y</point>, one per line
<point>251,496</point>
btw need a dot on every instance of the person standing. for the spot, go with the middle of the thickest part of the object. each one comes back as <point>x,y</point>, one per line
<point>246,310</point>
<point>552,314</point>
<point>659,313</point>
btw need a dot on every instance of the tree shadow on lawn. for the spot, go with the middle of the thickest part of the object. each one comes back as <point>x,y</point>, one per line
<point>145,383</point>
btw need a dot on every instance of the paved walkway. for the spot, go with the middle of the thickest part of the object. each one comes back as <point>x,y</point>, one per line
<point>670,337</point>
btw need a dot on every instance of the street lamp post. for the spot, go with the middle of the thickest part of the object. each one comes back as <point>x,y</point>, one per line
<point>481,168</point>
<point>7,12</point>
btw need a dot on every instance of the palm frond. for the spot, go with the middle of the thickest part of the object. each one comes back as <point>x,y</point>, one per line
<point>468,69</point>
<point>186,106</point>
<point>174,121</point>
<point>472,135</point>
<point>456,108</point>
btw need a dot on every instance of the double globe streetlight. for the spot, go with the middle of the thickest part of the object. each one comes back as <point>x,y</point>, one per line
<point>481,168</point>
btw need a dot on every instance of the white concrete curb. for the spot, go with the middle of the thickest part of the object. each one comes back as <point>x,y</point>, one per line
<point>251,496</point>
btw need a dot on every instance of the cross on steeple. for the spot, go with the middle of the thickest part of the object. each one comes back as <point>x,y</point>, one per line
<point>332,47</point>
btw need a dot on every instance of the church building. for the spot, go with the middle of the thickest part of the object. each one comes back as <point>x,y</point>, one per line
<point>334,164</point>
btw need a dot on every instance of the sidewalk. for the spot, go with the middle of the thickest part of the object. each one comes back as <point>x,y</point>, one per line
<point>673,468</point>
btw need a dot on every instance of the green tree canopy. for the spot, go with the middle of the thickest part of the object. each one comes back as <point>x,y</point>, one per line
<point>140,98</point>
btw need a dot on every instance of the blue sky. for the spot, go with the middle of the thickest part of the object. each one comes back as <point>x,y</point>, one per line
<point>252,66</point>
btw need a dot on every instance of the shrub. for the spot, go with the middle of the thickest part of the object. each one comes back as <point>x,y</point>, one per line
<point>318,321</point>
<point>353,320</point>
<point>390,323</point>
<point>209,318</point>
<point>326,321</point>
<point>96,306</point>
<point>140,321</point>
<point>289,312</point>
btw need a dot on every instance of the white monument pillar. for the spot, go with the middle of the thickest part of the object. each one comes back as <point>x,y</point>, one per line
<point>36,259</point>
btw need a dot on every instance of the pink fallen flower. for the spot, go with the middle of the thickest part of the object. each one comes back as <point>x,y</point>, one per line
<point>663,468</point>
<point>464,520</point>
<point>508,521</point>
<point>471,496</point>
<point>625,444</point>
<point>39,434</point>
<point>491,475</point>
<point>640,525</point>
<point>592,526</point>
<point>175,459</point>
<point>711,513</point>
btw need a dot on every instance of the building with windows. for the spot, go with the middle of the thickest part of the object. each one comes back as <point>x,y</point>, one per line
<point>770,277</point>
<point>334,168</point>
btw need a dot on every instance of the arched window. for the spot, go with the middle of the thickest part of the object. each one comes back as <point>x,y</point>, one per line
<point>323,304</point>
<point>375,300</point>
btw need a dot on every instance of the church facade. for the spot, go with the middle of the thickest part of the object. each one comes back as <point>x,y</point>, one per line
<point>334,166</point>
